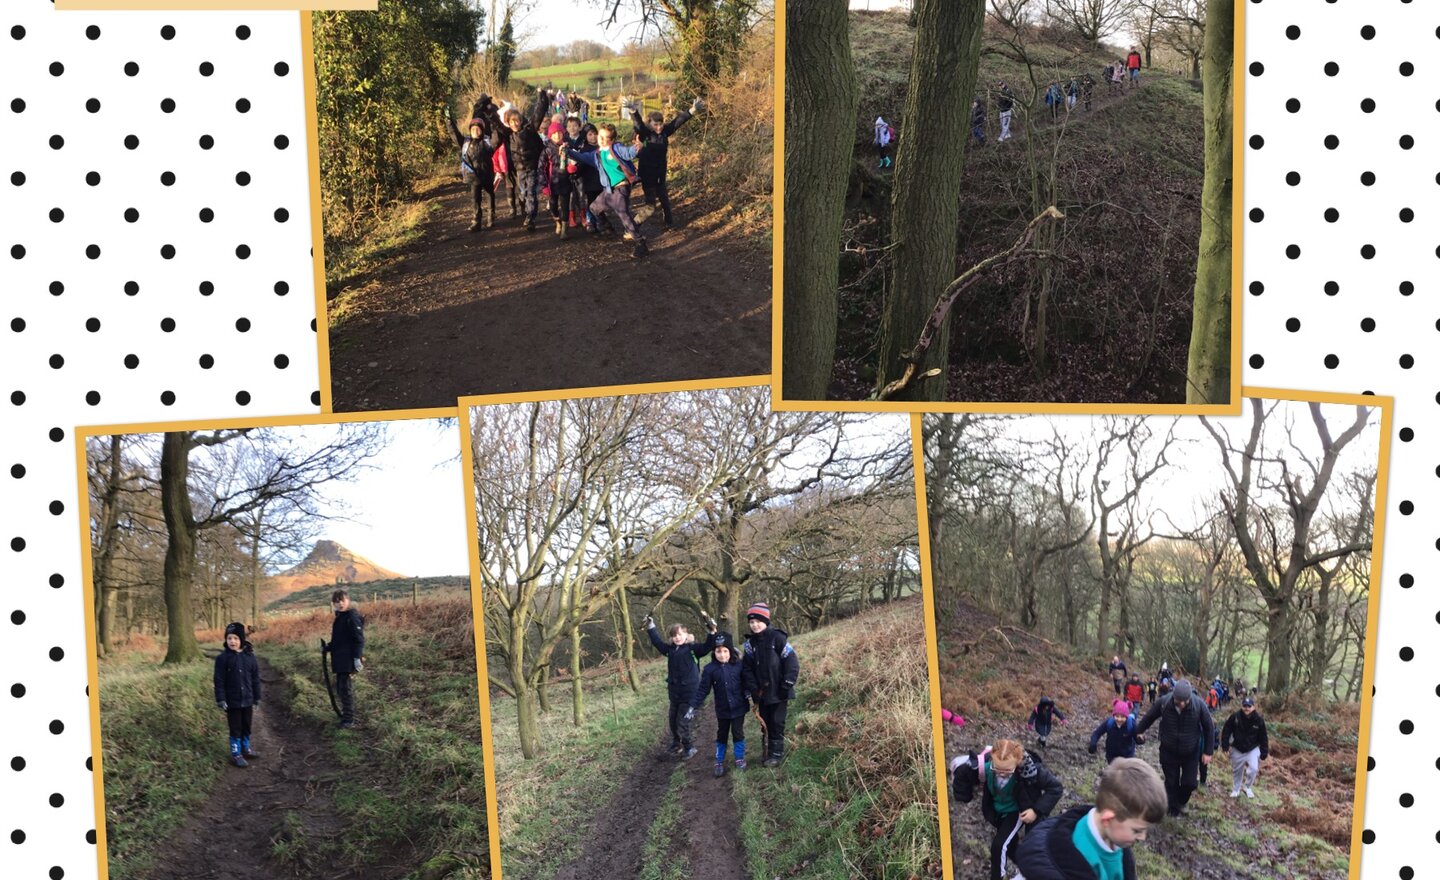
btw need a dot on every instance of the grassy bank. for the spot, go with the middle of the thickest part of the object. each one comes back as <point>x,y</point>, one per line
<point>418,785</point>
<point>164,747</point>
<point>371,244</point>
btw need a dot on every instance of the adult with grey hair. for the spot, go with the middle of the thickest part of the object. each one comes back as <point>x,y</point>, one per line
<point>1187,739</point>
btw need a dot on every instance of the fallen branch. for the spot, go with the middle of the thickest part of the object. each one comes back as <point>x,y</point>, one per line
<point>948,297</point>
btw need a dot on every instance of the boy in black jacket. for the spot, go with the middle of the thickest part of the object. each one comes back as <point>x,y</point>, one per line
<point>723,676</point>
<point>681,680</point>
<point>477,160</point>
<point>1245,730</point>
<point>1016,791</point>
<point>237,690</point>
<point>524,147</point>
<point>1093,843</point>
<point>655,134</point>
<point>347,648</point>
<point>770,669</point>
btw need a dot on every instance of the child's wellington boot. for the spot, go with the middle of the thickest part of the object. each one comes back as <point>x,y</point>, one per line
<point>740,755</point>
<point>235,757</point>
<point>719,759</point>
<point>246,750</point>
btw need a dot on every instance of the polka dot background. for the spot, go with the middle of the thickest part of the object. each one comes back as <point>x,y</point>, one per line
<point>155,235</point>
<point>1342,202</point>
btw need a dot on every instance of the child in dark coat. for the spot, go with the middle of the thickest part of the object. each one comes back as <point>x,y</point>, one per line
<point>770,669</point>
<point>347,651</point>
<point>477,160</point>
<point>1134,691</point>
<point>723,676</point>
<point>555,178</point>
<point>681,679</point>
<point>655,134</point>
<point>237,690</point>
<point>1119,733</point>
<point>523,148</point>
<point>1016,791</point>
<point>1042,718</point>
<point>1093,843</point>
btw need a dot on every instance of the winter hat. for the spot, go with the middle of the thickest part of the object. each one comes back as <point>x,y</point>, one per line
<point>474,122</point>
<point>235,628</point>
<point>1120,707</point>
<point>723,640</point>
<point>555,128</point>
<point>1183,691</point>
<point>758,611</point>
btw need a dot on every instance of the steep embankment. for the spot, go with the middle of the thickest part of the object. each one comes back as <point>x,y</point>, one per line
<point>1128,177</point>
<point>1298,825</point>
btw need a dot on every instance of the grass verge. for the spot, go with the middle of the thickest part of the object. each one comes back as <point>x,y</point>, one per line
<point>663,859</point>
<point>371,245</point>
<point>164,748</point>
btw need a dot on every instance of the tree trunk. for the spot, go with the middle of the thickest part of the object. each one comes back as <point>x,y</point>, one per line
<point>1277,645</point>
<point>577,683</point>
<point>925,208</point>
<point>1209,360</point>
<point>1320,644</point>
<point>179,549</point>
<point>627,647</point>
<point>524,694</point>
<point>109,517</point>
<point>820,106</point>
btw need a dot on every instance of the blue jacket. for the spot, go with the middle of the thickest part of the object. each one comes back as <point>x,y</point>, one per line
<point>1119,741</point>
<point>725,680</point>
<point>623,155</point>
<point>683,672</point>
<point>237,678</point>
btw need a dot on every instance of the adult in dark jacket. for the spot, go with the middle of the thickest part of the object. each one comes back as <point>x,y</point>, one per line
<point>347,651</point>
<point>1118,674</point>
<point>1187,738</point>
<point>1016,789</point>
<point>724,677</point>
<point>1119,733</point>
<point>477,162</point>
<point>1245,731</point>
<point>770,669</point>
<point>524,147</point>
<point>237,690</point>
<point>655,134</point>
<point>682,679</point>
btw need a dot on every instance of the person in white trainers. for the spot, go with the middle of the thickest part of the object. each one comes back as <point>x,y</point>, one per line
<point>1245,732</point>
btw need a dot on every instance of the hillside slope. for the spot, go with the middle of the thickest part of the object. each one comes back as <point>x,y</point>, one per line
<point>1298,825</point>
<point>328,562</point>
<point>1129,174</point>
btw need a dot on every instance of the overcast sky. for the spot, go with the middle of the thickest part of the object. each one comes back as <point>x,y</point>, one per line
<point>560,22</point>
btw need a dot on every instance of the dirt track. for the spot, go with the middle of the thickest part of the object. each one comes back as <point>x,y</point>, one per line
<point>233,835</point>
<point>614,845</point>
<point>502,310</point>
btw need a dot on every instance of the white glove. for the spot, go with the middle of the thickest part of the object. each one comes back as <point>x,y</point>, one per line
<point>689,713</point>
<point>649,622</point>
<point>358,665</point>
<point>697,106</point>
<point>223,705</point>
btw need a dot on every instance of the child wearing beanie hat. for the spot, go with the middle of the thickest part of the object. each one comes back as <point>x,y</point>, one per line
<point>770,669</point>
<point>237,690</point>
<point>555,177</point>
<point>1119,733</point>
<point>723,676</point>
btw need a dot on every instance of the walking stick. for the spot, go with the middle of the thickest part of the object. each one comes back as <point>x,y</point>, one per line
<point>764,733</point>
<point>325,671</point>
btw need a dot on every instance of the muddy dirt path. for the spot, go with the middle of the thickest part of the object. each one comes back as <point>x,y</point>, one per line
<point>614,845</point>
<point>503,310</point>
<point>233,835</point>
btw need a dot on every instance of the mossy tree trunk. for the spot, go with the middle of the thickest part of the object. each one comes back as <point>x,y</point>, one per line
<point>179,548</point>
<point>1208,374</point>
<point>820,106</point>
<point>925,208</point>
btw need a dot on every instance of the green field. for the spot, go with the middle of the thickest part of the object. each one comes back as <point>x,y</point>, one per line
<point>579,75</point>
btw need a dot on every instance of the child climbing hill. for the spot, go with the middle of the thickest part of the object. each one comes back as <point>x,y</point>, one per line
<point>1016,790</point>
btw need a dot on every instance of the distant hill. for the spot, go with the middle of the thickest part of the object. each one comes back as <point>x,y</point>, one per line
<point>318,596</point>
<point>328,563</point>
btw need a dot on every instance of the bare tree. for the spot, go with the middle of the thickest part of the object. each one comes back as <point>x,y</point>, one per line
<point>1092,20</point>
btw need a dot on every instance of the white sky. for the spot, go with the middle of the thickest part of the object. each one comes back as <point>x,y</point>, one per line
<point>407,512</point>
<point>1195,473</point>
<point>560,22</point>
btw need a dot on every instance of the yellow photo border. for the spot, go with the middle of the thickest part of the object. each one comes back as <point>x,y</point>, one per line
<point>1237,264</point>
<point>92,663</point>
<point>1386,405</point>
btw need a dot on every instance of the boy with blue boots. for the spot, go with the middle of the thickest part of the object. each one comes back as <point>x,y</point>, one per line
<point>723,676</point>
<point>237,690</point>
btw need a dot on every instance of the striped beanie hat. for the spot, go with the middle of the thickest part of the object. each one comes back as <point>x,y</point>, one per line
<point>758,611</point>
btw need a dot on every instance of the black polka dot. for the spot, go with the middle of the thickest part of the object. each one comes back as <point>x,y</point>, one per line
<point>1367,32</point>
<point>57,653</point>
<point>315,398</point>
<point>17,690</point>
<point>1367,105</point>
<point>242,398</point>
<point>17,178</point>
<point>57,726</point>
<point>1256,361</point>
<point>167,397</point>
<point>1407,654</point>
<point>206,141</point>
<point>1331,215</point>
<point>167,251</point>
<point>131,68</point>
<point>1293,32</point>
<point>281,361</point>
<point>1407,508</point>
<point>1293,325</point>
<point>17,325</point>
<point>243,251</point>
<point>17,836</point>
<point>1406,361</point>
<point>167,105</point>
<point>1367,251</point>
<point>56,435</point>
<point>131,215</point>
<point>92,398</point>
<point>1331,142</point>
<point>1407,580</point>
<point>1256,68</point>
<point>206,361</point>
<point>17,398</point>
<point>1407,434</point>
<point>57,800</point>
<point>92,251</point>
<point>1256,142</point>
<point>167,32</point>
<point>1406,215</point>
<point>56,361</point>
<point>206,215</point>
<point>206,288</point>
<point>1331,68</point>
<point>282,288</point>
<point>242,32</point>
<point>1406,68</point>
<point>243,105</point>
<point>281,142</point>
<point>132,361</point>
<point>168,178</point>
<point>92,105</point>
<point>131,288</point>
<point>1406,141</point>
<point>1293,105</point>
<point>1407,727</point>
<point>1367,324</point>
<point>1367,178</point>
<point>56,68</point>
<point>281,68</point>
<point>1292,178</point>
<point>1292,251</point>
<point>17,471</point>
<point>17,251</point>
<point>56,142</point>
<point>281,215</point>
<point>131,141</point>
<point>206,68</point>
<point>17,105</point>
<point>1331,361</point>
<point>167,324</point>
<point>243,178</point>
<point>93,178</point>
<point>17,32</point>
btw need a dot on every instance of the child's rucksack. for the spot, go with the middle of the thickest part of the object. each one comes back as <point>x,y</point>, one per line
<point>890,132</point>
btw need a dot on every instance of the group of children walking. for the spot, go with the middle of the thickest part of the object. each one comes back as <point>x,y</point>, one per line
<point>1018,791</point>
<point>760,672</point>
<point>584,171</point>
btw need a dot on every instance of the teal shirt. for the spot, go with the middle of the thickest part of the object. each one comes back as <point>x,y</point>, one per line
<point>1004,797</point>
<point>611,168</point>
<point>1109,864</point>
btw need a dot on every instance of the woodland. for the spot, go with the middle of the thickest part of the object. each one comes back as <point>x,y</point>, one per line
<point>1086,258</point>
<point>593,513</point>
<point>1231,547</point>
